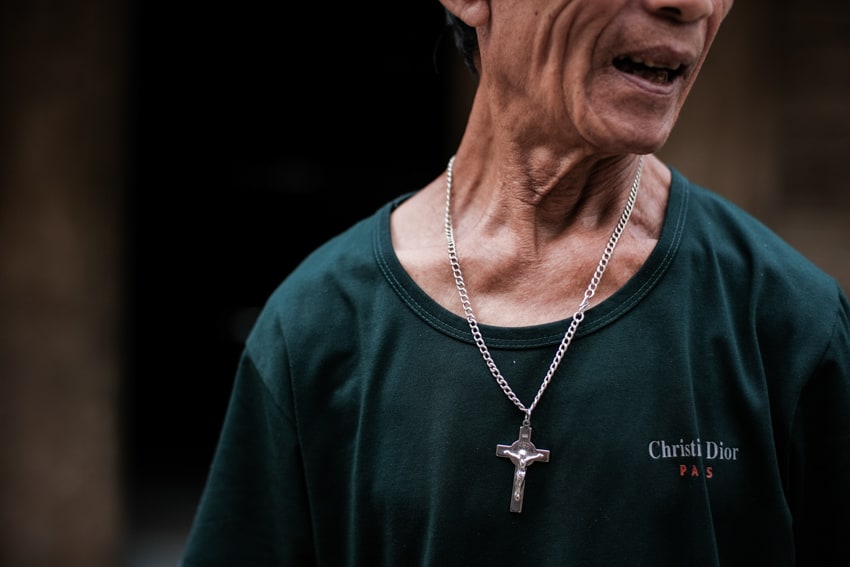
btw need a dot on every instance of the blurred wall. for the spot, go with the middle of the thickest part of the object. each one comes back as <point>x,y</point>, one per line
<point>61,152</point>
<point>768,123</point>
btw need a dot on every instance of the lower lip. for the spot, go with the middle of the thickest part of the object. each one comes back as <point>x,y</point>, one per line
<point>656,89</point>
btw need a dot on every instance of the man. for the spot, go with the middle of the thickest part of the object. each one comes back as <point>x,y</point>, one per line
<point>686,373</point>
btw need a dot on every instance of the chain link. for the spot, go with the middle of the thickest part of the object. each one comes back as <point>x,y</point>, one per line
<point>577,318</point>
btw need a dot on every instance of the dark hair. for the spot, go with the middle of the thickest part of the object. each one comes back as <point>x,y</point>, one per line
<point>466,40</point>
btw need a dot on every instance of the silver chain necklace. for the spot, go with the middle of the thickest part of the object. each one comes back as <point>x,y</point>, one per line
<point>522,452</point>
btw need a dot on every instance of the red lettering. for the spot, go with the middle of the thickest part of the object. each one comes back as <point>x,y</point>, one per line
<point>694,469</point>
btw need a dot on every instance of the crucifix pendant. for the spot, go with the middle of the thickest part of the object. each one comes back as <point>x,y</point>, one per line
<point>522,454</point>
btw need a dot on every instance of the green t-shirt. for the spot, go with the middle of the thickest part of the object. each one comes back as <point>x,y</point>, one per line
<point>700,416</point>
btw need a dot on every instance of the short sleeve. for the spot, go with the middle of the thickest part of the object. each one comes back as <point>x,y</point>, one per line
<point>820,482</point>
<point>254,509</point>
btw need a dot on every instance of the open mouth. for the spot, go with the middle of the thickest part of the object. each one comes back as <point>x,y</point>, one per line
<point>653,71</point>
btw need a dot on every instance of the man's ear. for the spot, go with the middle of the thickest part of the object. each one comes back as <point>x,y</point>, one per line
<point>473,13</point>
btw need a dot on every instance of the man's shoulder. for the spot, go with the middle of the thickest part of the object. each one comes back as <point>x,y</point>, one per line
<point>748,254</point>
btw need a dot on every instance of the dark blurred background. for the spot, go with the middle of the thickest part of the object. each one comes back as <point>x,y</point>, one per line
<point>164,166</point>
<point>258,132</point>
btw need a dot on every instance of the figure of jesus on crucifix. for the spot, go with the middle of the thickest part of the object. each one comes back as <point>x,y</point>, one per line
<point>522,453</point>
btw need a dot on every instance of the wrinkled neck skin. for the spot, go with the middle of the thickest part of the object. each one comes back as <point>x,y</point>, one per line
<point>530,224</point>
<point>511,176</point>
<point>532,211</point>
